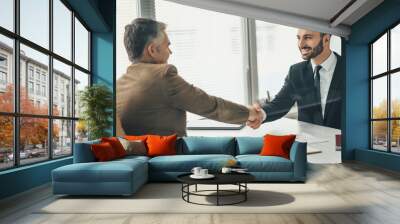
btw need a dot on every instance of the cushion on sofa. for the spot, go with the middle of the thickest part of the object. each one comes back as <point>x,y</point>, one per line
<point>195,145</point>
<point>185,163</point>
<point>249,145</point>
<point>99,172</point>
<point>257,163</point>
<point>116,145</point>
<point>83,152</point>
<point>103,152</point>
<point>161,145</point>
<point>134,147</point>
<point>275,145</point>
<point>133,157</point>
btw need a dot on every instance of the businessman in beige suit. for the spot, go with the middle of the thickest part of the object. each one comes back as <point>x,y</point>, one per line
<point>151,96</point>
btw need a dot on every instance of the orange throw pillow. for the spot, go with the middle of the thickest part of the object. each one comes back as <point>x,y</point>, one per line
<point>103,152</point>
<point>277,145</point>
<point>161,145</point>
<point>116,145</point>
<point>136,138</point>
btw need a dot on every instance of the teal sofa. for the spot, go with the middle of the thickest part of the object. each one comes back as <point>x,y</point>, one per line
<point>125,176</point>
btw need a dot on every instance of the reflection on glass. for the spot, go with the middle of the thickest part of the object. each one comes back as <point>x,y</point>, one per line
<point>81,45</point>
<point>395,94</point>
<point>81,81</point>
<point>272,40</point>
<point>81,131</point>
<point>126,12</point>
<point>379,98</point>
<point>192,42</point>
<point>395,47</point>
<point>379,55</point>
<point>35,21</point>
<point>62,138</point>
<point>62,89</point>
<point>62,29</point>
<point>379,135</point>
<point>34,96</point>
<point>6,142</point>
<point>33,139</point>
<point>395,135</point>
<point>7,14</point>
<point>6,74</point>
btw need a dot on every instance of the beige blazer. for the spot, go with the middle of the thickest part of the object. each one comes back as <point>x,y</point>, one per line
<point>153,99</point>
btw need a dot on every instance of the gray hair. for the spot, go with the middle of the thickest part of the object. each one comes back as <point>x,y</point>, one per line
<point>141,32</point>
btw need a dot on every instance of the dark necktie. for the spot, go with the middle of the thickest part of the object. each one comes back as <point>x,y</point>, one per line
<point>318,90</point>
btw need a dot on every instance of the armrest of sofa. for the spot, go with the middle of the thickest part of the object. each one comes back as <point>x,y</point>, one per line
<point>83,152</point>
<point>298,155</point>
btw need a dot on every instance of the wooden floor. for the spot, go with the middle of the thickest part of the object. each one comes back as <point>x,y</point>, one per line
<point>377,188</point>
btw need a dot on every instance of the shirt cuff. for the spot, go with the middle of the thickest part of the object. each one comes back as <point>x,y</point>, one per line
<point>264,115</point>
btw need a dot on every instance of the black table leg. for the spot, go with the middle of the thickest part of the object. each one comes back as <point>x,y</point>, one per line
<point>245,193</point>
<point>188,189</point>
<point>217,194</point>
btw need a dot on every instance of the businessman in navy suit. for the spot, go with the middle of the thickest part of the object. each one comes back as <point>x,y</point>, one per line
<point>315,84</point>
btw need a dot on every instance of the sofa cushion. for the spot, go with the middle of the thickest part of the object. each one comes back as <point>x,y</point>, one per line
<point>206,145</point>
<point>275,145</point>
<point>112,171</point>
<point>116,145</point>
<point>103,152</point>
<point>161,145</point>
<point>83,152</point>
<point>185,163</point>
<point>257,163</point>
<point>132,158</point>
<point>134,147</point>
<point>249,145</point>
<point>142,138</point>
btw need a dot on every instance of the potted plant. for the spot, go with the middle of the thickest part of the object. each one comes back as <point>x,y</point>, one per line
<point>96,104</point>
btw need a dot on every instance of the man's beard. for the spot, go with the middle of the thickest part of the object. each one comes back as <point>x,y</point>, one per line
<point>317,50</point>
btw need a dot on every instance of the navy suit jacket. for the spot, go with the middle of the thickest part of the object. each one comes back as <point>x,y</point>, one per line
<point>299,87</point>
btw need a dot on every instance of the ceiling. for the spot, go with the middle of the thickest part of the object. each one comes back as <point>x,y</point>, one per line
<point>332,16</point>
<point>317,9</point>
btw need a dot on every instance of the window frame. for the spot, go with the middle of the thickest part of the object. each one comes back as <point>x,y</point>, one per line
<point>16,115</point>
<point>388,74</point>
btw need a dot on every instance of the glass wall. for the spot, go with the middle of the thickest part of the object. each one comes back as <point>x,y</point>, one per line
<point>38,124</point>
<point>385,96</point>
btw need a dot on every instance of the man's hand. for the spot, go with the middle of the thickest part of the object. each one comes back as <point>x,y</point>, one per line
<point>255,116</point>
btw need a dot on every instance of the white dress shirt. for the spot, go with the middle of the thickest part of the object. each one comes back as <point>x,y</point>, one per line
<point>326,75</point>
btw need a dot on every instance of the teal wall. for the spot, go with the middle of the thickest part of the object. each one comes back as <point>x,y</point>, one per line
<point>356,142</point>
<point>99,16</point>
<point>102,61</point>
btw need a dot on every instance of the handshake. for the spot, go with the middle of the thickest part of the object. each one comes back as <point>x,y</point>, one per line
<point>256,116</point>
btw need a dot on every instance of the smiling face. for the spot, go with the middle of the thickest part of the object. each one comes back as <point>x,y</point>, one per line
<point>311,43</point>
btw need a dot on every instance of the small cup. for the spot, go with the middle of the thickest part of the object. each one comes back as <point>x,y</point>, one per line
<point>203,172</point>
<point>226,170</point>
<point>196,170</point>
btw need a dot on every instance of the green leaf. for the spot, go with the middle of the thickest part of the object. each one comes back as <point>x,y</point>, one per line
<point>96,102</point>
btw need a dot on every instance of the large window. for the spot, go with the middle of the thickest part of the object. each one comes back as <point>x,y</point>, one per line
<point>38,124</point>
<point>385,96</point>
<point>127,11</point>
<point>207,48</point>
<point>210,49</point>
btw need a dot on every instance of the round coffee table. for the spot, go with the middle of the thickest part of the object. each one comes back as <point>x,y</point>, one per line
<point>238,179</point>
